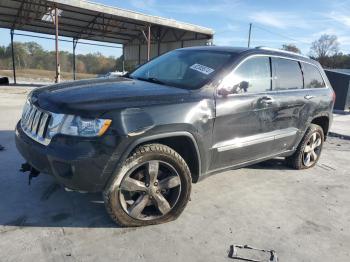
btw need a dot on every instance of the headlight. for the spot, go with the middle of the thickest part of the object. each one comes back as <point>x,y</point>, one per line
<point>77,126</point>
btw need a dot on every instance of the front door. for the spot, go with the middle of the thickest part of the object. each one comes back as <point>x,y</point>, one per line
<point>245,109</point>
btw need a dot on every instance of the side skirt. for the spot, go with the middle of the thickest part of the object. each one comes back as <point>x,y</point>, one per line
<point>244,164</point>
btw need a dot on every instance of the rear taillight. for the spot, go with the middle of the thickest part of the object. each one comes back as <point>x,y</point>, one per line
<point>334,96</point>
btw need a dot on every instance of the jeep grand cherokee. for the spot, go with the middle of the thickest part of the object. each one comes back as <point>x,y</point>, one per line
<point>144,138</point>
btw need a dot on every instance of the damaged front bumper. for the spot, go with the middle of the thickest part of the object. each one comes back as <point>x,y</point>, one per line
<point>76,163</point>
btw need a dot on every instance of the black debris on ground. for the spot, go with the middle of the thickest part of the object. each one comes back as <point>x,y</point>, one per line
<point>2,148</point>
<point>4,81</point>
<point>252,257</point>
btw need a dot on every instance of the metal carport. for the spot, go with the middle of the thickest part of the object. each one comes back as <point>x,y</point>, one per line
<point>141,36</point>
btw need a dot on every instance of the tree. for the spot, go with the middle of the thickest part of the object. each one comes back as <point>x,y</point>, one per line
<point>34,48</point>
<point>326,45</point>
<point>2,51</point>
<point>291,48</point>
<point>31,55</point>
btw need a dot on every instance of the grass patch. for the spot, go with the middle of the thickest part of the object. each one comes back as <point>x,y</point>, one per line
<point>47,75</point>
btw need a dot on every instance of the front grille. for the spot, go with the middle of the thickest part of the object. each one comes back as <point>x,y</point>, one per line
<point>35,123</point>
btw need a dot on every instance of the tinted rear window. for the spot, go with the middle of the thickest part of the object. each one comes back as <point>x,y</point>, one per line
<point>287,74</point>
<point>312,76</point>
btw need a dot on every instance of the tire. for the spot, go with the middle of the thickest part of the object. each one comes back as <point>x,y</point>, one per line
<point>171,181</point>
<point>299,159</point>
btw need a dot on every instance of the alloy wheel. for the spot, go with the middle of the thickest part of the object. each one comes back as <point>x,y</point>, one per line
<point>150,190</point>
<point>312,149</point>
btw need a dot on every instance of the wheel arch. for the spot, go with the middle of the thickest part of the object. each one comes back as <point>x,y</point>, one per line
<point>182,142</point>
<point>324,122</point>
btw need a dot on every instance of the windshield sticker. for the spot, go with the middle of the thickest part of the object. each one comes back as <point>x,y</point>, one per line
<point>202,69</point>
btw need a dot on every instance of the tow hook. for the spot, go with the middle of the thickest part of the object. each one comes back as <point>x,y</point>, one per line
<point>26,167</point>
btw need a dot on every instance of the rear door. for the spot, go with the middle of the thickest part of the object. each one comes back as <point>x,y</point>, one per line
<point>292,109</point>
<point>244,111</point>
<point>318,97</point>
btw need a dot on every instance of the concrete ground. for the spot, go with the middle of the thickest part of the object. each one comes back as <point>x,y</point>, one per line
<point>341,127</point>
<point>303,215</point>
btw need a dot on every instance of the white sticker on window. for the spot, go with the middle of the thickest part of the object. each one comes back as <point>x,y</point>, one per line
<point>203,69</point>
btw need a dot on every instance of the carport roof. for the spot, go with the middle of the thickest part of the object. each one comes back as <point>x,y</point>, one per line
<point>87,20</point>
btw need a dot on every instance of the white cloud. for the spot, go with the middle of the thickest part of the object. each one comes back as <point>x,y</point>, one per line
<point>280,26</point>
<point>339,17</point>
<point>280,20</point>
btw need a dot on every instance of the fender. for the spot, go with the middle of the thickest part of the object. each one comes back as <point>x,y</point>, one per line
<point>321,114</point>
<point>148,138</point>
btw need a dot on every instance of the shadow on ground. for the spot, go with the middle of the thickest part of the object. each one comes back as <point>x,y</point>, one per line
<point>272,164</point>
<point>46,204</point>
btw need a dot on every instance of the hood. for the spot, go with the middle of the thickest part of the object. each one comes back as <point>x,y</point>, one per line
<point>101,95</point>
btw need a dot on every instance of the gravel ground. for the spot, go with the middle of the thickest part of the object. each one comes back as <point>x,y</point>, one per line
<point>303,215</point>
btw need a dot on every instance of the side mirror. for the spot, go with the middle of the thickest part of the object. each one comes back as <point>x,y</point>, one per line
<point>241,87</point>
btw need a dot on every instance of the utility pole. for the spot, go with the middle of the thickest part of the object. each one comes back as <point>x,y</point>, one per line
<point>250,33</point>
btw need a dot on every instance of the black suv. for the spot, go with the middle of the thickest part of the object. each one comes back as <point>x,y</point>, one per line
<point>142,139</point>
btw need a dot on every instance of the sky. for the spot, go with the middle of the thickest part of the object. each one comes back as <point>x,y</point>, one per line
<point>275,22</point>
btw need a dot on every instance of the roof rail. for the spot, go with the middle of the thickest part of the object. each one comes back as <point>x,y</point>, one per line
<point>280,50</point>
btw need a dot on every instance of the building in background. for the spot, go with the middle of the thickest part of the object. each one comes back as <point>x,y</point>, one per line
<point>141,36</point>
<point>340,81</point>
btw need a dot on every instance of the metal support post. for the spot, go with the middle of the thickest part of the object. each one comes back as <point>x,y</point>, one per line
<point>13,58</point>
<point>57,80</point>
<point>250,33</point>
<point>75,42</point>
<point>149,43</point>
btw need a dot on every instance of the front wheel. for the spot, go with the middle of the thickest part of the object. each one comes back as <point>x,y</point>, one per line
<point>309,149</point>
<point>152,187</point>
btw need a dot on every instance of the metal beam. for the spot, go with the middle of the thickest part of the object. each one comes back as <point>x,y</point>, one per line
<point>18,14</point>
<point>45,5</point>
<point>159,32</point>
<point>66,28</point>
<point>90,26</point>
<point>118,26</point>
<point>75,42</point>
<point>139,54</point>
<point>109,39</point>
<point>249,34</point>
<point>58,77</point>
<point>123,55</point>
<point>68,41</point>
<point>149,43</point>
<point>73,20</point>
<point>13,58</point>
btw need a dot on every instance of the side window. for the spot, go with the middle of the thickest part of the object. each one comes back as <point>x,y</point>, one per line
<point>287,74</point>
<point>312,76</point>
<point>252,76</point>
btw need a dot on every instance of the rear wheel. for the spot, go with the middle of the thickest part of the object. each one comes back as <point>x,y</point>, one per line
<point>309,149</point>
<point>152,187</point>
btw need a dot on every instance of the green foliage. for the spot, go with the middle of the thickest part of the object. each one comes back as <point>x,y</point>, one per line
<point>31,55</point>
<point>326,51</point>
<point>338,60</point>
<point>326,45</point>
<point>291,48</point>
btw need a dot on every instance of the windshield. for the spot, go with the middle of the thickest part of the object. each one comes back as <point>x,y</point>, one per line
<point>189,69</point>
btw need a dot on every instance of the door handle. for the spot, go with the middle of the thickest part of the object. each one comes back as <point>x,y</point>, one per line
<point>267,100</point>
<point>308,97</point>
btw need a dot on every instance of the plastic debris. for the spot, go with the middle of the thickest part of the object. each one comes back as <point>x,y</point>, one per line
<point>233,253</point>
